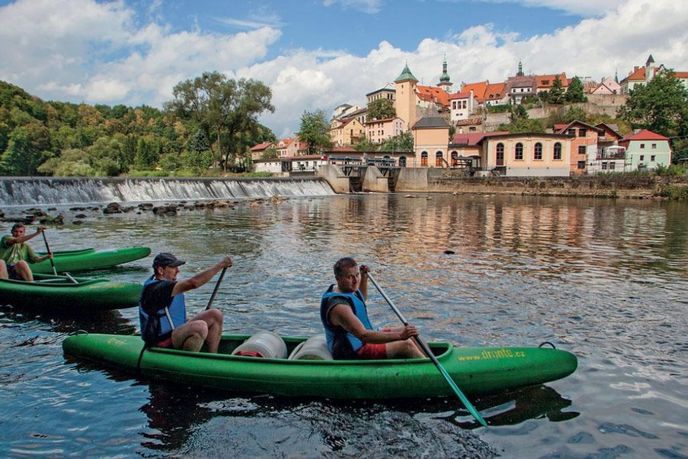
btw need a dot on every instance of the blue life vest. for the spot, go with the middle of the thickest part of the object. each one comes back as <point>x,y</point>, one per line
<point>156,327</point>
<point>341,343</point>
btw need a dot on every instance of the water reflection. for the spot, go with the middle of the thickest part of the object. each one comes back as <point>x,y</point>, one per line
<point>603,279</point>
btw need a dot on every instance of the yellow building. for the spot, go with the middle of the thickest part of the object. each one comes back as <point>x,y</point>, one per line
<point>348,131</point>
<point>430,141</point>
<point>526,155</point>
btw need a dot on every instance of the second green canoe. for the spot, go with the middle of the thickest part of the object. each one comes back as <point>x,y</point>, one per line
<point>61,293</point>
<point>88,259</point>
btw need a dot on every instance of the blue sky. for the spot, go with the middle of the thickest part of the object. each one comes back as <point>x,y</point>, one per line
<point>317,54</point>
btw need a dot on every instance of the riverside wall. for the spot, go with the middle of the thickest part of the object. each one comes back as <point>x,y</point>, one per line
<point>609,186</point>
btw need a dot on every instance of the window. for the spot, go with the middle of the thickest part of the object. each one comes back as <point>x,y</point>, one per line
<point>571,132</point>
<point>438,159</point>
<point>642,157</point>
<point>604,165</point>
<point>537,151</point>
<point>402,161</point>
<point>557,151</point>
<point>581,165</point>
<point>654,146</point>
<point>652,158</point>
<point>642,146</point>
<point>500,154</point>
<point>518,151</point>
<point>581,149</point>
<point>582,132</point>
<point>612,165</point>
<point>424,159</point>
<point>455,158</point>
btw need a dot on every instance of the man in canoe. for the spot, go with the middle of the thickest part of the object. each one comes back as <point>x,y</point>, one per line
<point>347,327</point>
<point>162,310</point>
<point>16,252</point>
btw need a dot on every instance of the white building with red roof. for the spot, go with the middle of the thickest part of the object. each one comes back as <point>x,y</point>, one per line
<point>646,150</point>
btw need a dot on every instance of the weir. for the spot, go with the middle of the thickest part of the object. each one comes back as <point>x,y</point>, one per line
<point>28,191</point>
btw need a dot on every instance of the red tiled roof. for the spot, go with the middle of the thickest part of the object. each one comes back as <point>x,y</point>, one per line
<point>560,128</point>
<point>261,146</point>
<point>433,94</point>
<point>473,138</point>
<point>495,91</point>
<point>645,134</point>
<point>681,75</point>
<point>547,81</point>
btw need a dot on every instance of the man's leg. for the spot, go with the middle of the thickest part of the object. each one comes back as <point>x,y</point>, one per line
<point>204,327</point>
<point>24,270</point>
<point>403,349</point>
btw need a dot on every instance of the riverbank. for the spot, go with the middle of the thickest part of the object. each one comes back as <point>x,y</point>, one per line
<point>599,186</point>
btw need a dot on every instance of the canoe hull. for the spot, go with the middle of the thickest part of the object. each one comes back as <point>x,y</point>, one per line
<point>89,259</point>
<point>475,370</point>
<point>88,294</point>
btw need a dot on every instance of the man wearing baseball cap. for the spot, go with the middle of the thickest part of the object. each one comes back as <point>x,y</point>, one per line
<point>162,309</point>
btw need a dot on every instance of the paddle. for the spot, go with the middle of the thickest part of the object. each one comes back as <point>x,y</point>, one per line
<point>432,357</point>
<point>217,285</point>
<point>52,262</point>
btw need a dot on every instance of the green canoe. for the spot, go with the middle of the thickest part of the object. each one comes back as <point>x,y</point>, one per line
<point>476,370</point>
<point>59,292</point>
<point>87,259</point>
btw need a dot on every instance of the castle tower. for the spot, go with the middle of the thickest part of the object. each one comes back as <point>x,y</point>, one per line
<point>445,82</point>
<point>649,69</point>
<point>520,69</point>
<point>405,103</point>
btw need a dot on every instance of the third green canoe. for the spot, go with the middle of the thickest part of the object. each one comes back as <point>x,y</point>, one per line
<point>88,259</point>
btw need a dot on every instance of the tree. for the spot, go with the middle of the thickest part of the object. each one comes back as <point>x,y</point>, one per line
<point>225,108</point>
<point>575,92</point>
<point>401,142</point>
<point>366,145</point>
<point>269,153</point>
<point>27,148</point>
<point>660,106</point>
<point>517,112</point>
<point>381,109</point>
<point>556,94</point>
<point>314,131</point>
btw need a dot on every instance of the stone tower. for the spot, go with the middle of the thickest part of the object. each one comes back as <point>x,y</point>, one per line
<point>445,82</point>
<point>405,103</point>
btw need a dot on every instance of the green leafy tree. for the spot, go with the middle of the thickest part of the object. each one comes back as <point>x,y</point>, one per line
<point>315,131</point>
<point>556,93</point>
<point>518,112</point>
<point>401,142</point>
<point>660,106</point>
<point>225,108</point>
<point>27,148</point>
<point>366,145</point>
<point>575,92</point>
<point>381,109</point>
<point>269,153</point>
<point>147,153</point>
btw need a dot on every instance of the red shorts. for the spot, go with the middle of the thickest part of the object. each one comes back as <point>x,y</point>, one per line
<point>372,351</point>
<point>167,343</point>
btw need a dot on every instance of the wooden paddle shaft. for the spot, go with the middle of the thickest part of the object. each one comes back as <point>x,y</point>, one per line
<point>217,285</point>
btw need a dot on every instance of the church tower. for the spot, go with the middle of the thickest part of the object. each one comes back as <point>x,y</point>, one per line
<point>405,103</point>
<point>445,82</point>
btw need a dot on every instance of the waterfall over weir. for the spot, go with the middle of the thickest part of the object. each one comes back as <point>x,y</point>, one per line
<point>29,191</point>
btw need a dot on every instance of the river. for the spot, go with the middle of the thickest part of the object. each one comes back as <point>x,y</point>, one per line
<point>604,279</point>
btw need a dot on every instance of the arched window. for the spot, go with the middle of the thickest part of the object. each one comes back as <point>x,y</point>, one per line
<point>518,151</point>
<point>557,150</point>
<point>537,152</point>
<point>439,157</point>
<point>424,159</point>
<point>500,154</point>
<point>402,161</point>
<point>455,158</point>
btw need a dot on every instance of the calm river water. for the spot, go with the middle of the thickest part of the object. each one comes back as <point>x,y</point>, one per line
<point>606,280</point>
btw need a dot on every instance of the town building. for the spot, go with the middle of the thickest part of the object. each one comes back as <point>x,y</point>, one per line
<point>583,143</point>
<point>377,131</point>
<point>646,150</point>
<point>431,141</point>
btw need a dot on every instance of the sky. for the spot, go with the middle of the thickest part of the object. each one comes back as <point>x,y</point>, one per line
<point>318,54</point>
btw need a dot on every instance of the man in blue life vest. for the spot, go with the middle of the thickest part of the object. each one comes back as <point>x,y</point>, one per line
<point>162,310</point>
<point>16,253</point>
<point>348,330</point>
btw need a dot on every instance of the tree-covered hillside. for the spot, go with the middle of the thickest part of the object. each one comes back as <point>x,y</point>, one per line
<point>210,122</point>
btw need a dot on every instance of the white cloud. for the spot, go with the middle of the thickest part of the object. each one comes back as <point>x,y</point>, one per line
<point>83,50</point>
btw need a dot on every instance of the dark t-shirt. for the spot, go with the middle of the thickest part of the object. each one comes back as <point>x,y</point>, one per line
<point>157,295</point>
